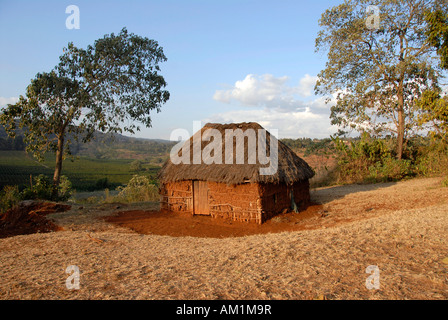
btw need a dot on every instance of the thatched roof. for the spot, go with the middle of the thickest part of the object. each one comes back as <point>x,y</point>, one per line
<point>291,168</point>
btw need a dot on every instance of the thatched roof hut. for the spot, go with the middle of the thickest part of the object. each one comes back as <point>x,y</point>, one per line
<point>222,164</point>
<point>291,167</point>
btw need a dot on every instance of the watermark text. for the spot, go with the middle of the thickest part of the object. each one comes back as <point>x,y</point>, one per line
<point>73,20</point>
<point>236,150</point>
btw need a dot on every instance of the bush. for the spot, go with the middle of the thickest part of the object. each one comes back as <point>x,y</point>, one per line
<point>102,184</point>
<point>9,197</point>
<point>136,166</point>
<point>445,182</point>
<point>138,189</point>
<point>390,170</point>
<point>43,189</point>
<point>370,160</point>
<point>64,189</point>
<point>432,159</point>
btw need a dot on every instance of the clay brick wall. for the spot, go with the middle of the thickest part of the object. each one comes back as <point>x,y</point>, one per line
<point>276,197</point>
<point>302,193</point>
<point>236,202</point>
<point>176,196</point>
<point>248,202</point>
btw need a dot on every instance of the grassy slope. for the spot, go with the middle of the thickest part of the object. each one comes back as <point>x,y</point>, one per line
<point>98,160</point>
<point>17,166</point>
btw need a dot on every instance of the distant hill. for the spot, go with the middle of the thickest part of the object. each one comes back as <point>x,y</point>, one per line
<point>104,162</point>
<point>109,156</point>
<point>153,151</point>
<point>105,146</point>
<point>117,146</point>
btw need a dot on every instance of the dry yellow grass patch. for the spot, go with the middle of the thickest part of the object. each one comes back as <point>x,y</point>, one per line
<point>400,227</point>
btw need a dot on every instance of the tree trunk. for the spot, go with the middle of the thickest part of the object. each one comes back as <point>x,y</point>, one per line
<point>400,137</point>
<point>58,167</point>
<point>401,124</point>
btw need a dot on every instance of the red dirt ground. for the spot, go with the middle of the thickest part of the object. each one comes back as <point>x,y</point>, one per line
<point>183,224</point>
<point>29,217</point>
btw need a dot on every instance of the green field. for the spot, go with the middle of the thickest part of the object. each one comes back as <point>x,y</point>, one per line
<point>86,174</point>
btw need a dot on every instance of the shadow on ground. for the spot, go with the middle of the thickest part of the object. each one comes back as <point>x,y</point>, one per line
<point>328,194</point>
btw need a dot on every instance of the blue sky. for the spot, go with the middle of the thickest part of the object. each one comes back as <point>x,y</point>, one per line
<point>228,61</point>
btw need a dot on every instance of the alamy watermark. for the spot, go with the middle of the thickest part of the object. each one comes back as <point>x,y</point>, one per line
<point>373,281</point>
<point>212,153</point>
<point>72,282</point>
<point>373,20</point>
<point>73,20</point>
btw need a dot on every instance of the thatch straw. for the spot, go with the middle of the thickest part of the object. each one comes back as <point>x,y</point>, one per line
<point>291,168</point>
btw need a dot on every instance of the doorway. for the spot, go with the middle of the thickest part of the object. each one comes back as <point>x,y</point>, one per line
<point>200,198</point>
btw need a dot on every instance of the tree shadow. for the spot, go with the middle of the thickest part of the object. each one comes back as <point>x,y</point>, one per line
<point>327,194</point>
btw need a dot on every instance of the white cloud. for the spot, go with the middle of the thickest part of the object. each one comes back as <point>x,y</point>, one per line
<point>268,91</point>
<point>255,90</point>
<point>275,104</point>
<point>306,85</point>
<point>5,101</point>
<point>292,124</point>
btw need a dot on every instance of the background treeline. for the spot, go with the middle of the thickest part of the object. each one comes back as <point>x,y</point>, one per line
<point>10,144</point>
<point>111,161</point>
<point>108,161</point>
<point>310,146</point>
<point>104,146</point>
<point>367,159</point>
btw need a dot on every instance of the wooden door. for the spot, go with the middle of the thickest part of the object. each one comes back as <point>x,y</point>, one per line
<point>200,198</point>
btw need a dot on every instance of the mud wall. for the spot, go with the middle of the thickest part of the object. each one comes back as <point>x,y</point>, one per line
<point>235,202</point>
<point>249,202</point>
<point>277,197</point>
<point>177,196</point>
<point>302,194</point>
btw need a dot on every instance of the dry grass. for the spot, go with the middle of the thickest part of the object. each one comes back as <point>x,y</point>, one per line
<point>291,168</point>
<point>402,228</point>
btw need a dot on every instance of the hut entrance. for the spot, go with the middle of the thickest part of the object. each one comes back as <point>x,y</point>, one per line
<point>200,198</point>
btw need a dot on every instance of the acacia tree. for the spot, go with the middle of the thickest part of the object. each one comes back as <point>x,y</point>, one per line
<point>437,32</point>
<point>377,74</point>
<point>432,103</point>
<point>111,86</point>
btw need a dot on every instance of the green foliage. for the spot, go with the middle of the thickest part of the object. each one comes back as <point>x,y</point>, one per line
<point>435,111</point>
<point>136,166</point>
<point>310,146</point>
<point>139,189</point>
<point>9,197</point>
<point>432,158</point>
<point>121,75</point>
<point>373,150</point>
<point>86,174</point>
<point>369,160</point>
<point>102,183</point>
<point>437,32</point>
<point>445,182</point>
<point>376,76</point>
<point>115,81</point>
<point>43,189</point>
<point>390,169</point>
<point>434,106</point>
<point>64,189</point>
